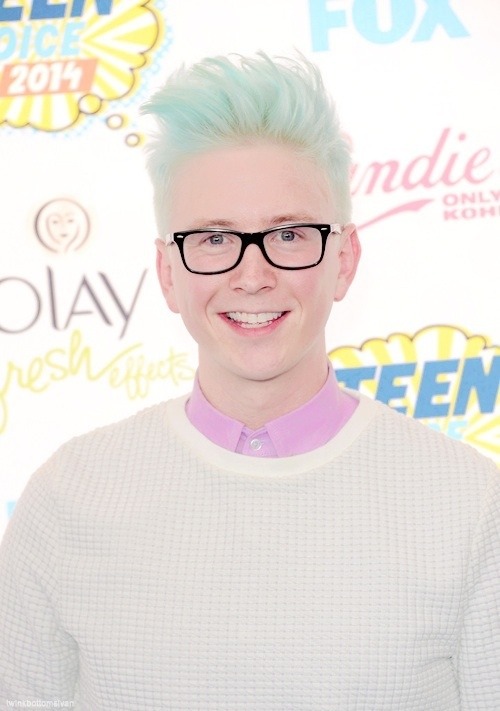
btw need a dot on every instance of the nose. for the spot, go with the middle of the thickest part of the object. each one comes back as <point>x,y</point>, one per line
<point>253,273</point>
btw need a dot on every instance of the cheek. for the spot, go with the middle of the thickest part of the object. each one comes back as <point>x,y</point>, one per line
<point>318,292</point>
<point>193,296</point>
<point>317,286</point>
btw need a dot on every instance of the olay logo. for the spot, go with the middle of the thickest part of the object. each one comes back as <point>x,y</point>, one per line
<point>452,162</point>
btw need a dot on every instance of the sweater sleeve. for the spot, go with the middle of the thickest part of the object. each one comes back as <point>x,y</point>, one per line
<point>38,659</point>
<point>478,663</point>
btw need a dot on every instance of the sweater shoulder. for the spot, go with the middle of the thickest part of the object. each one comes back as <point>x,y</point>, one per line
<point>418,446</point>
<point>110,451</point>
<point>148,420</point>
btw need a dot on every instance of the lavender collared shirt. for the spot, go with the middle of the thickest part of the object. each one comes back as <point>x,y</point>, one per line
<point>309,426</point>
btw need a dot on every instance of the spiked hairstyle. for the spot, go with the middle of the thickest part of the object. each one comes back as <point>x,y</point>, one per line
<point>236,100</point>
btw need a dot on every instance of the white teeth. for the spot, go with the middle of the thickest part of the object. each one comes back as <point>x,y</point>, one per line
<point>263,317</point>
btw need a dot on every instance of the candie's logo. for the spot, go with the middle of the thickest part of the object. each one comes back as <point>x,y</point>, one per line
<point>62,226</point>
<point>67,59</point>
<point>384,21</point>
<point>455,171</point>
<point>441,375</point>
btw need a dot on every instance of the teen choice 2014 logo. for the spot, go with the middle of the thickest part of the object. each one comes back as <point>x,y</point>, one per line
<point>441,375</point>
<point>60,61</point>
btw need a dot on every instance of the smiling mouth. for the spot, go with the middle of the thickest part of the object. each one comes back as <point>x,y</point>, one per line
<point>248,320</point>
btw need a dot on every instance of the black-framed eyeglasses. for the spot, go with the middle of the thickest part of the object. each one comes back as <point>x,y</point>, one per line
<point>215,251</point>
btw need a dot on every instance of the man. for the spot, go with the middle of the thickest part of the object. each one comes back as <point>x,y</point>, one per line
<point>270,542</point>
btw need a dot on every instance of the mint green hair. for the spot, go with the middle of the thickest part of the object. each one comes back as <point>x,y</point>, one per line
<point>235,100</point>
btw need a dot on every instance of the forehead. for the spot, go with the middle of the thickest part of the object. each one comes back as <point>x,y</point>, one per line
<point>249,187</point>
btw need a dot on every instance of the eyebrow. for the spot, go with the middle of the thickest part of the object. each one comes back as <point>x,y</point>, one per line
<point>290,218</point>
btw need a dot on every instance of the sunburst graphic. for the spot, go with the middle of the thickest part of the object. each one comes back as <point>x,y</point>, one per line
<point>449,372</point>
<point>93,60</point>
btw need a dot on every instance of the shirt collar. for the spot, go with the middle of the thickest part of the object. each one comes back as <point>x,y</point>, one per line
<point>313,424</point>
<point>309,426</point>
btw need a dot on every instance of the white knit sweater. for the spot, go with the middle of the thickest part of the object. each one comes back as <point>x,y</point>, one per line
<point>147,568</point>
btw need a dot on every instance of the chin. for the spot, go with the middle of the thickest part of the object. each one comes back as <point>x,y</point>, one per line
<point>261,373</point>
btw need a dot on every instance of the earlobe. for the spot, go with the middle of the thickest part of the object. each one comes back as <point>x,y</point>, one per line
<point>349,255</point>
<point>164,272</point>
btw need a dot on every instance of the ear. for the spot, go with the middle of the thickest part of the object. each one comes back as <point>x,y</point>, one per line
<point>164,272</point>
<point>349,254</point>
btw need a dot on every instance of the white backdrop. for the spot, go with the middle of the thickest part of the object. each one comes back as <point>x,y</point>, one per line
<point>85,337</point>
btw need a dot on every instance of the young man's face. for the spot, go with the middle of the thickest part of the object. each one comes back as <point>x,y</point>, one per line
<point>252,188</point>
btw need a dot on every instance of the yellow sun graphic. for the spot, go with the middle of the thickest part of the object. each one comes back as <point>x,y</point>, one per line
<point>463,371</point>
<point>65,68</point>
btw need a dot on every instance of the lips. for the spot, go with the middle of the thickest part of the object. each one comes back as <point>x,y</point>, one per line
<point>254,320</point>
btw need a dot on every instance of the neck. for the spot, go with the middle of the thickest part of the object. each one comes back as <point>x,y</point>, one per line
<point>256,402</point>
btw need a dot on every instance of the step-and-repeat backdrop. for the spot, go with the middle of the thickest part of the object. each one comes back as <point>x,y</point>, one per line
<point>85,337</point>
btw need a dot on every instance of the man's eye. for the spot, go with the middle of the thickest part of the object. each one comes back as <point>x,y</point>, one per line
<point>287,235</point>
<point>215,238</point>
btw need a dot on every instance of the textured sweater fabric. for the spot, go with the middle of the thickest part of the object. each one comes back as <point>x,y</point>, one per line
<point>147,568</point>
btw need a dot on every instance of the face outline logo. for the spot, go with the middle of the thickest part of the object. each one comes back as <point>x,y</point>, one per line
<point>62,225</point>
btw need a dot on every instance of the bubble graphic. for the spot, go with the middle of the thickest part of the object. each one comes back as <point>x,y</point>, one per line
<point>89,104</point>
<point>133,140</point>
<point>115,121</point>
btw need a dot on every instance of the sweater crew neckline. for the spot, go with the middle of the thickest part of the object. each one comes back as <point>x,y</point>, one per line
<point>177,420</point>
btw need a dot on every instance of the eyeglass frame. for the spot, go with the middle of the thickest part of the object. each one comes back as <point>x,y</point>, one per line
<point>248,238</point>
